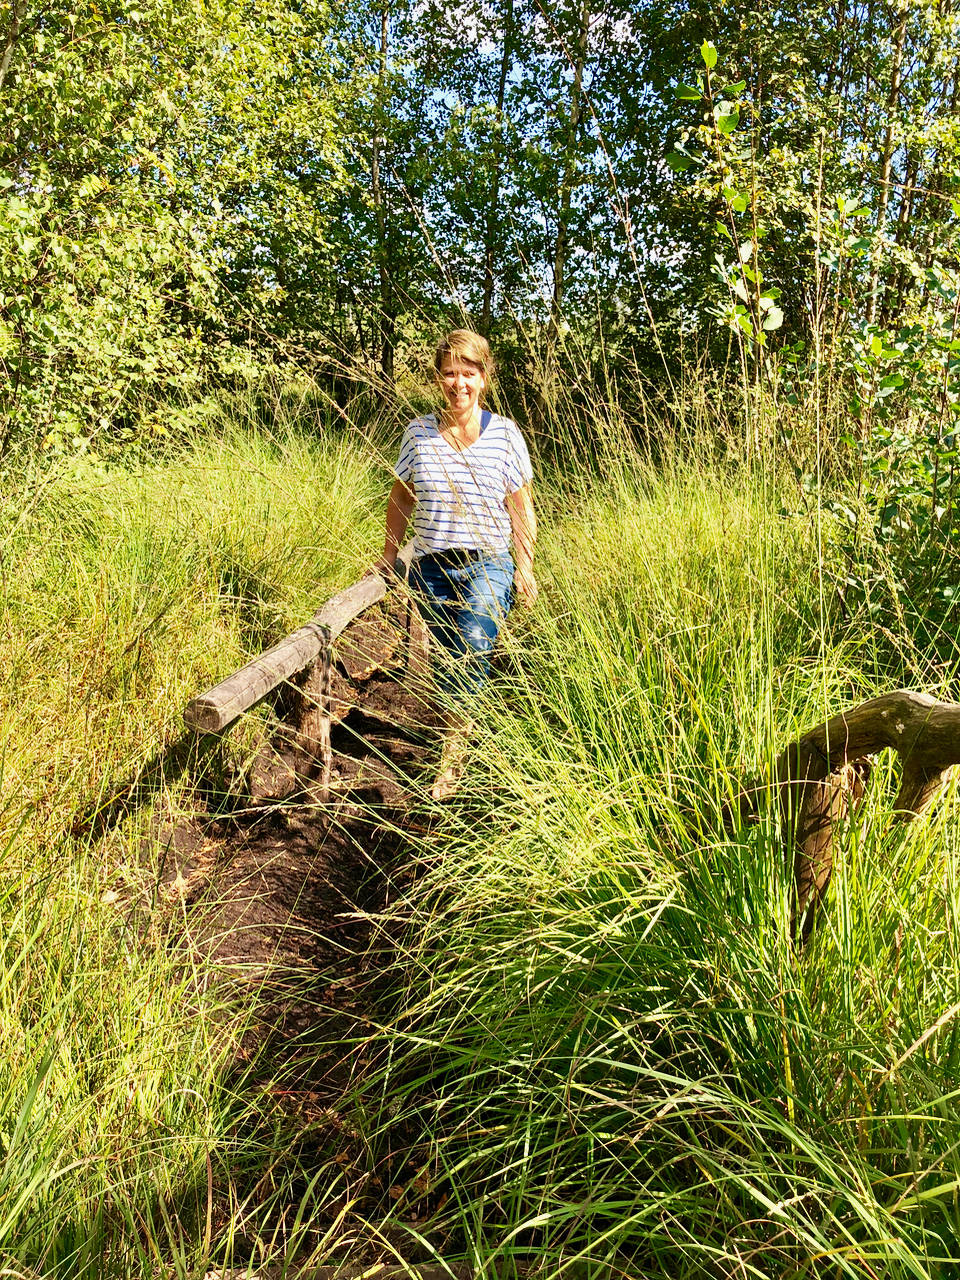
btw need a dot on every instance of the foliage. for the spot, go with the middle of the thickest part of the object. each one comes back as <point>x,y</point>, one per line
<point>195,191</point>
<point>142,164</point>
<point>891,392</point>
<point>606,1056</point>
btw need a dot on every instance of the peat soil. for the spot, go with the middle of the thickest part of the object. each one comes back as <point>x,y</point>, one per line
<point>283,891</point>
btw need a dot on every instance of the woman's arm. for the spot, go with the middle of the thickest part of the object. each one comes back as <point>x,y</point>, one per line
<point>523,522</point>
<point>399,507</point>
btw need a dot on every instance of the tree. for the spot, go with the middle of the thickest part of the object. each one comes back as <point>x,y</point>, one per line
<point>146,162</point>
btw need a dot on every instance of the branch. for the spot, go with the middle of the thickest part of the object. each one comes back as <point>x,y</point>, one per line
<point>821,778</point>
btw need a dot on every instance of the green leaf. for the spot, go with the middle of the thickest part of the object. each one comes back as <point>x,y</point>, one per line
<point>773,319</point>
<point>679,163</point>
<point>727,123</point>
<point>736,88</point>
<point>850,207</point>
<point>724,231</point>
<point>739,203</point>
<point>708,53</point>
<point>687,92</point>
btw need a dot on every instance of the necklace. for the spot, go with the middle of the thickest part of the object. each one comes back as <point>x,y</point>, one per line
<point>459,435</point>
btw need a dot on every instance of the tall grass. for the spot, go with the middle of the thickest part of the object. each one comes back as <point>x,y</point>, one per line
<point>602,1054</point>
<point>124,593</point>
<point>608,1057</point>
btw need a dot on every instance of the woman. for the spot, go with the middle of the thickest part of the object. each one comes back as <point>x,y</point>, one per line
<point>465,477</point>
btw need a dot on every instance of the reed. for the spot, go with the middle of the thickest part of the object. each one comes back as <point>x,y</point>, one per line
<point>600,1054</point>
<point>608,1056</point>
<point>124,591</point>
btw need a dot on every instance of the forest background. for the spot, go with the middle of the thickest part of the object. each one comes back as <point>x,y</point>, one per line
<point>716,252</point>
<point>195,195</point>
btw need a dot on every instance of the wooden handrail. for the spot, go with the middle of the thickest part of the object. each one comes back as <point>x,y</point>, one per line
<point>214,710</point>
<point>821,778</point>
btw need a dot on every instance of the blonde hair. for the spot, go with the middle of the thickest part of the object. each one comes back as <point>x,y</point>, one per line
<point>464,344</point>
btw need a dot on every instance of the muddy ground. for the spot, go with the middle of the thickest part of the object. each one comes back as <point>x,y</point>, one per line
<point>281,886</point>
<point>283,883</point>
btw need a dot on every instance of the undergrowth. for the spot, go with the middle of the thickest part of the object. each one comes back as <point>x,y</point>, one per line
<point>602,1055</point>
<point>609,1058</point>
<point>125,591</point>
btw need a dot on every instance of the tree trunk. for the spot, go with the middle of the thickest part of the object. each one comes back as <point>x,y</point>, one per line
<point>493,210</point>
<point>13,35</point>
<point>217,708</point>
<point>567,183</point>
<point>886,165</point>
<point>387,301</point>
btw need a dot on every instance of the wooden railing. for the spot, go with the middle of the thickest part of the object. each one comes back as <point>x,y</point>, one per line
<point>214,710</point>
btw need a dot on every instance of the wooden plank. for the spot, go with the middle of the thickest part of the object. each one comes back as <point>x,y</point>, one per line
<point>212,711</point>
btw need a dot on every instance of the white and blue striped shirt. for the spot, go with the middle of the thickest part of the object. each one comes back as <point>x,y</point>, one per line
<point>461,493</point>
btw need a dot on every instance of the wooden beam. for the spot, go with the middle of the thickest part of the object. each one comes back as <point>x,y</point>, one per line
<point>923,732</point>
<point>212,711</point>
<point>820,779</point>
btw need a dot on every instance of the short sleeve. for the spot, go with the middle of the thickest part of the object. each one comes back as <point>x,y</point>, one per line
<point>519,470</point>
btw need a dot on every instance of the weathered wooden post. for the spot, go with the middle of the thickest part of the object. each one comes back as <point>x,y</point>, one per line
<point>822,777</point>
<point>214,710</point>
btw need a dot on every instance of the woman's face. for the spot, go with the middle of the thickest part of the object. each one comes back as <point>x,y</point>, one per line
<point>462,383</point>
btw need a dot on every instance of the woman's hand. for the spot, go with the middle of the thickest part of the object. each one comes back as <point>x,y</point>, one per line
<point>386,568</point>
<point>526,586</point>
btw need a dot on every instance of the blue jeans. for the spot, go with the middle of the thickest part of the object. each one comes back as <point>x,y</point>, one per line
<point>463,604</point>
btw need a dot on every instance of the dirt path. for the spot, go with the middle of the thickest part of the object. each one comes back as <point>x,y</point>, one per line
<point>281,892</point>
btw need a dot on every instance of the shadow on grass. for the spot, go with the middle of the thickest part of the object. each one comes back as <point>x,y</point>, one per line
<point>198,754</point>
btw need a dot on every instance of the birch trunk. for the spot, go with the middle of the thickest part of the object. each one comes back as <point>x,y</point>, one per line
<point>567,184</point>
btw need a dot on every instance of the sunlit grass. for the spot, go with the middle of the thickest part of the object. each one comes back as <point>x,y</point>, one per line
<point>609,1055</point>
<point>124,593</point>
<point>130,592</point>
<point>603,1055</point>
